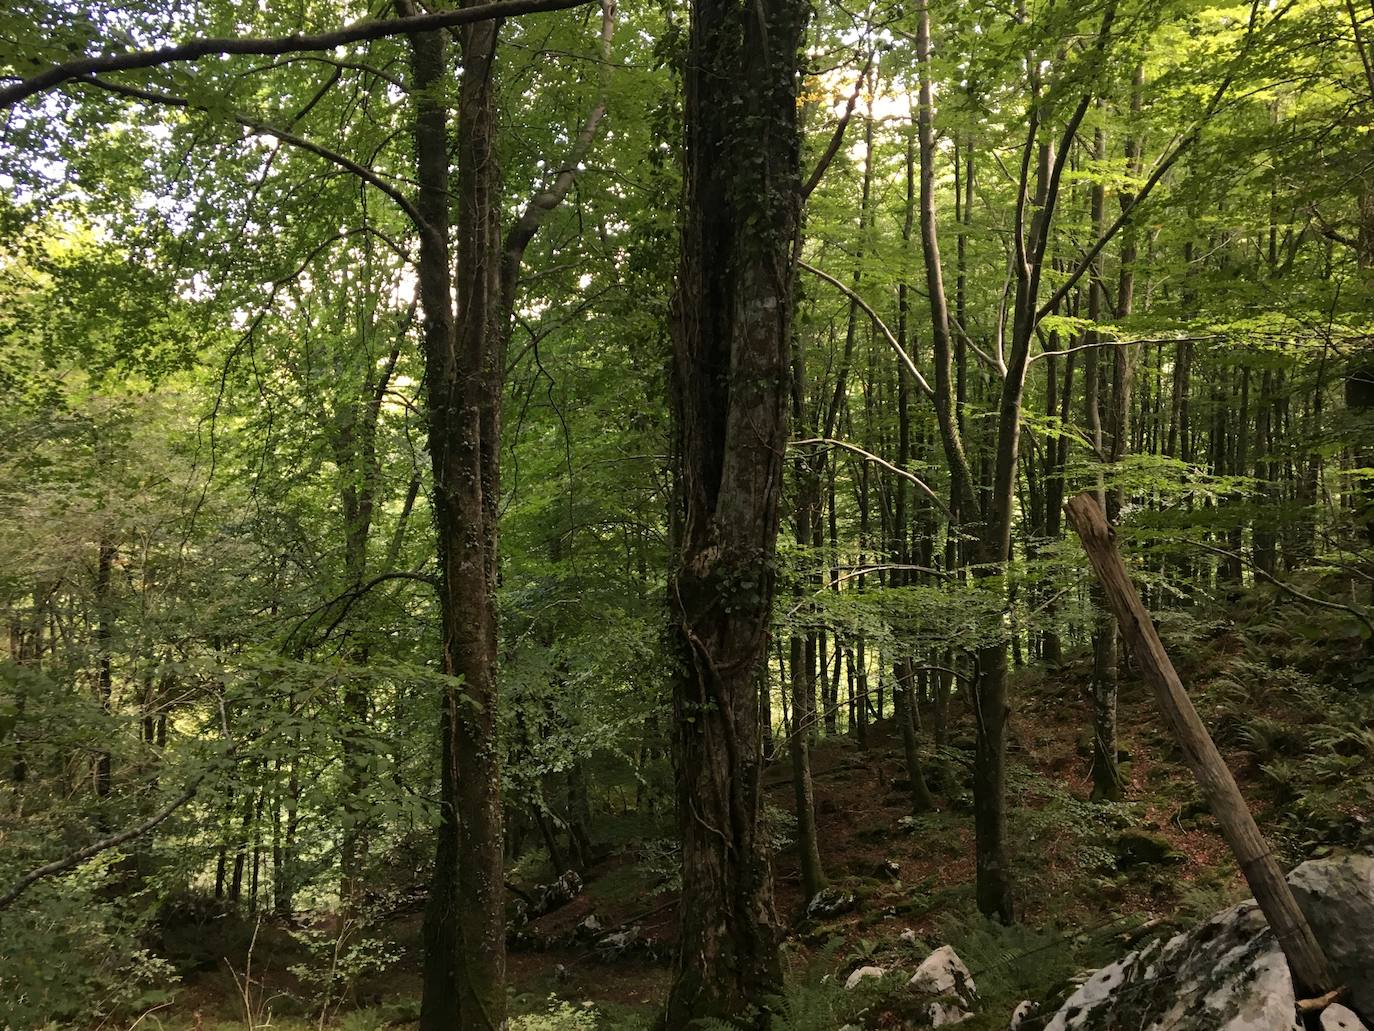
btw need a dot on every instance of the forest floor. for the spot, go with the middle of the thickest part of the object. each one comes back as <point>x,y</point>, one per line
<point>1089,875</point>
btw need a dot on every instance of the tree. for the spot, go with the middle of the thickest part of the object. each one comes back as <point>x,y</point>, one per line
<point>732,318</point>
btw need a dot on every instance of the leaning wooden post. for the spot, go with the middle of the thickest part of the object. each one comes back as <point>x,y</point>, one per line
<point>1306,960</point>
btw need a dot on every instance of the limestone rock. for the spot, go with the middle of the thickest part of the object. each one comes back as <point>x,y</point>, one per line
<point>944,973</point>
<point>614,946</point>
<point>862,974</point>
<point>1337,896</point>
<point>1230,975</point>
<point>1338,1018</point>
<point>1020,1017</point>
<point>889,870</point>
<point>1227,975</point>
<point>589,927</point>
<point>830,902</point>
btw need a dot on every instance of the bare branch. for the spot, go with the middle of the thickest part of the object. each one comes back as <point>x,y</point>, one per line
<point>871,457</point>
<point>878,322</point>
<point>1125,343</point>
<point>1333,606</point>
<point>837,137</point>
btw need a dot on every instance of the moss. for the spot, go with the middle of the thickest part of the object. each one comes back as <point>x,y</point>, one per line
<point>1137,846</point>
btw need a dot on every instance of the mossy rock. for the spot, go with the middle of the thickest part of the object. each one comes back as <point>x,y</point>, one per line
<point>1136,846</point>
<point>1194,813</point>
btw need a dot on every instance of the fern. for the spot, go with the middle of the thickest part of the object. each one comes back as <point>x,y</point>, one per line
<point>815,999</point>
<point>1012,962</point>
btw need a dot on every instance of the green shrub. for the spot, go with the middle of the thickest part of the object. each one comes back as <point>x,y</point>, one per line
<point>68,955</point>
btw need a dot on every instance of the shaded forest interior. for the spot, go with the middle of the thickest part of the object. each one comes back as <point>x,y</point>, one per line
<point>548,515</point>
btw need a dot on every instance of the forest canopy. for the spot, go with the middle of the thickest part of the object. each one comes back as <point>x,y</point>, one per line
<point>551,513</point>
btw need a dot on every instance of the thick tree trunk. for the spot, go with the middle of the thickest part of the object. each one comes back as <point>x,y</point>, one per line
<point>731,341</point>
<point>439,1008</point>
<point>464,921</point>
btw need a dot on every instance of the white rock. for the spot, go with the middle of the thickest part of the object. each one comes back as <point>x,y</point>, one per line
<point>944,973</point>
<point>1022,1014</point>
<point>861,974</point>
<point>1337,1018</point>
<point>829,902</point>
<point>1337,896</point>
<point>908,936</point>
<point>1229,974</point>
<point>939,1014</point>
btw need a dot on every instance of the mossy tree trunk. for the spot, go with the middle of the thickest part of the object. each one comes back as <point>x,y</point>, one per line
<point>732,328</point>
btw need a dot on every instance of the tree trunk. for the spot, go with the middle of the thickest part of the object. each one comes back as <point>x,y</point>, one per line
<point>731,316</point>
<point>464,929</point>
<point>1106,777</point>
<point>799,748</point>
<point>104,647</point>
<point>904,708</point>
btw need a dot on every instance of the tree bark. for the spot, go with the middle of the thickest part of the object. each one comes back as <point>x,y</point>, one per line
<point>464,930</point>
<point>732,327</point>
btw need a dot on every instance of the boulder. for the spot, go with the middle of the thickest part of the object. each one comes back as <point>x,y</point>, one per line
<point>907,937</point>
<point>862,974</point>
<point>830,902</point>
<point>1229,974</point>
<point>1337,895</point>
<point>1137,847</point>
<point>944,973</point>
<point>1021,1016</point>
<point>545,898</point>
<point>888,869</point>
<point>1339,1018</point>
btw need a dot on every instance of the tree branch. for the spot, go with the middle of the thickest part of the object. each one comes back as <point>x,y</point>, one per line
<point>359,31</point>
<point>1333,606</point>
<point>837,137</point>
<point>878,322</point>
<point>542,204</point>
<point>78,857</point>
<point>870,457</point>
<point>347,164</point>
<point>1165,163</point>
<point>1124,343</point>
